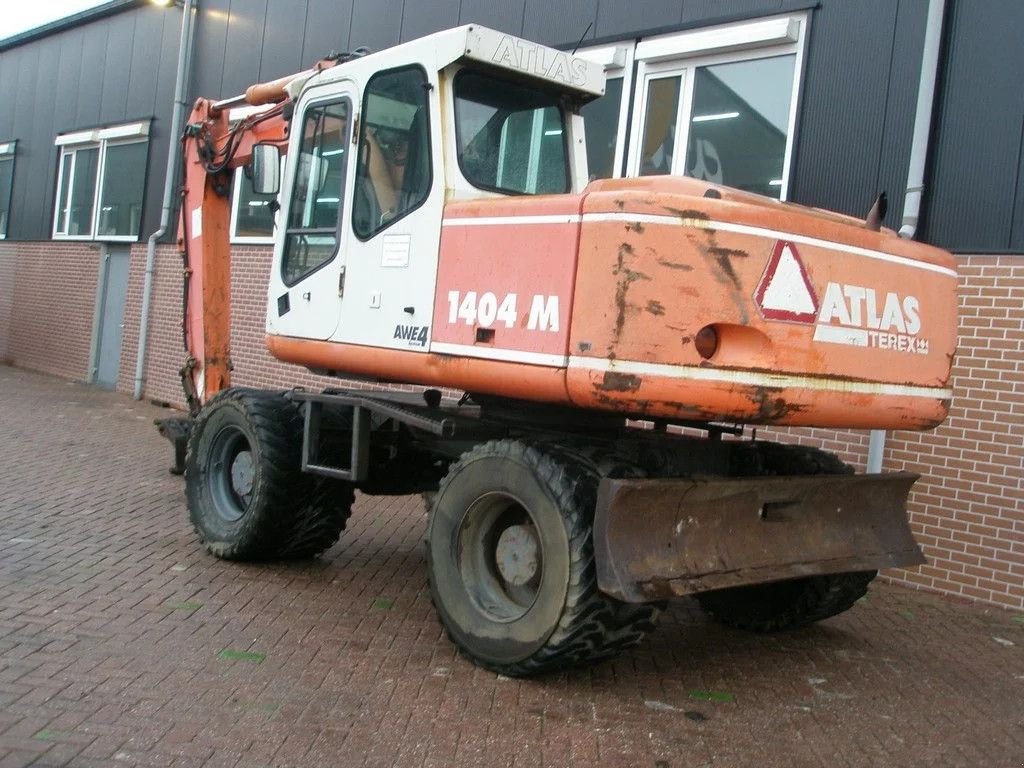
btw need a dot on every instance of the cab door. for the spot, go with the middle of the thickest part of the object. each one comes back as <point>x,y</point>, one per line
<point>306,282</point>
<point>394,228</point>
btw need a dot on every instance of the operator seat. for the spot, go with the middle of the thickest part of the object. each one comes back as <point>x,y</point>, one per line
<point>416,179</point>
<point>375,196</point>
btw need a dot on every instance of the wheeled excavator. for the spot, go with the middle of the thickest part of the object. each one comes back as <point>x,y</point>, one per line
<point>592,358</point>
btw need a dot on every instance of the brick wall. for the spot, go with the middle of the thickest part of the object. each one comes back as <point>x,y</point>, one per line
<point>49,323</point>
<point>165,352</point>
<point>968,509</point>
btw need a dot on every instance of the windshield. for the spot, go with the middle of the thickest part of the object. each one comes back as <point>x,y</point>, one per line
<point>511,138</point>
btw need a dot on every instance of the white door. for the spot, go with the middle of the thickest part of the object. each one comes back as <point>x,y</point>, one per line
<point>307,280</point>
<point>394,228</point>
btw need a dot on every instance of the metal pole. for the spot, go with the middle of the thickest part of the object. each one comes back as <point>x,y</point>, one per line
<point>918,157</point>
<point>923,117</point>
<point>173,150</point>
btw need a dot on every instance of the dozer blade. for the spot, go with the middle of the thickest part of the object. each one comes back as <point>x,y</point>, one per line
<point>658,538</point>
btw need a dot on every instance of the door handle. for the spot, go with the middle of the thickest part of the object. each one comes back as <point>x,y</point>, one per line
<point>307,295</point>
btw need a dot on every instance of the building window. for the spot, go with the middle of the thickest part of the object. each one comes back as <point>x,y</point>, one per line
<point>7,150</point>
<point>253,217</point>
<point>605,117</point>
<point>719,104</point>
<point>100,184</point>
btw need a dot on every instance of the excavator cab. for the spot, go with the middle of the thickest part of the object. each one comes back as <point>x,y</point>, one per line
<point>382,145</point>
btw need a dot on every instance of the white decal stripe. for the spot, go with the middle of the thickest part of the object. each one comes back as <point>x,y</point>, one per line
<point>744,229</point>
<point>746,378</point>
<point>503,355</point>
<point>496,221</point>
<point>750,378</point>
<point>834,334</point>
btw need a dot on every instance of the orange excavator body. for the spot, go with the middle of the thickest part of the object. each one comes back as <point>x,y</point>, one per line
<point>674,305</point>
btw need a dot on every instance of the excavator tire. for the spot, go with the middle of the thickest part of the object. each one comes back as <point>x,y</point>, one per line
<point>785,605</point>
<point>511,562</point>
<point>247,496</point>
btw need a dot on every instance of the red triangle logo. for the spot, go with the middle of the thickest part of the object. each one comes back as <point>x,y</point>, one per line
<point>785,292</point>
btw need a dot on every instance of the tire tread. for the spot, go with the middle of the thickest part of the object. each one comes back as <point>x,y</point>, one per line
<point>301,515</point>
<point>592,626</point>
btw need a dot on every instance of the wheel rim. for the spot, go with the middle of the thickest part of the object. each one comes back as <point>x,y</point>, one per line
<point>231,474</point>
<point>500,557</point>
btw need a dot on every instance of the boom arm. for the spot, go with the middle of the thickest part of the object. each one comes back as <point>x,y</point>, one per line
<point>211,153</point>
<point>213,149</point>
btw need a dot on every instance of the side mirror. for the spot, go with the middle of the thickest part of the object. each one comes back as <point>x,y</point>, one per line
<point>266,169</point>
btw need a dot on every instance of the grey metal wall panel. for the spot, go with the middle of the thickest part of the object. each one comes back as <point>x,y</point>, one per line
<point>901,105</point>
<point>376,24</point>
<point>558,22</point>
<point>242,46</point>
<point>27,195</point>
<point>704,10</point>
<point>618,18</point>
<point>208,50</point>
<point>421,18</point>
<point>10,76</point>
<point>283,33</point>
<point>66,84</point>
<point>94,54</point>
<point>505,15</point>
<point>856,114</point>
<point>975,163</point>
<point>117,66</point>
<point>843,106</point>
<point>328,25</point>
<point>38,155</point>
<point>144,60</point>
<point>166,65</point>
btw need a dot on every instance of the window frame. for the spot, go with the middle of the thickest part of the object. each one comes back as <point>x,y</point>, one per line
<point>8,153</point>
<point>318,102</point>
<point>684,52</point>
<point>101,139</point>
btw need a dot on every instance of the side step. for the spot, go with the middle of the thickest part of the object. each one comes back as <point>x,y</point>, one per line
<point>403,408</point>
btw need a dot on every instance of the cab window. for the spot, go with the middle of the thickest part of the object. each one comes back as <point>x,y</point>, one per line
<point>393,172</point>
<point>510,138</point>
<point>311,236</point>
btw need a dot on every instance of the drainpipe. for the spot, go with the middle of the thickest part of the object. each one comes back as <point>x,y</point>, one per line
<point>918,156</point>
<point>180,87</point>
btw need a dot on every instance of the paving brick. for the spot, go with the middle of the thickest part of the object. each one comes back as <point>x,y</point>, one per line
<point>100,665</point>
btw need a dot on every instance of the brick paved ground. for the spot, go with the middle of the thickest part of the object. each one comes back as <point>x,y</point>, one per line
<point>122,643</point>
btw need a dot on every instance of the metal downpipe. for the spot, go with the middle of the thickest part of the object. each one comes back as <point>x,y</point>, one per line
<point>174,148</point>
<point>918,157</point>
